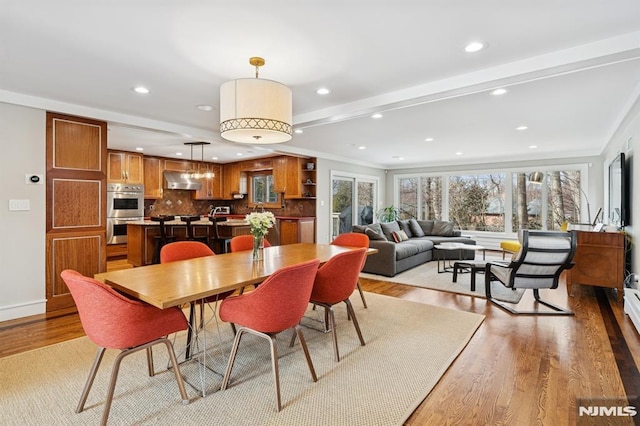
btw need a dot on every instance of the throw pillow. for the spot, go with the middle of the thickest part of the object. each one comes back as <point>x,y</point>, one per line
<point>404,225</point>
<point>416,230</point>
<point>426,225</point>
<point>388,228</point>
<point>376,228</point>
<point>359,229</point>
<point>399,236</point>
<point>442,228</point>
<point>375,236</point>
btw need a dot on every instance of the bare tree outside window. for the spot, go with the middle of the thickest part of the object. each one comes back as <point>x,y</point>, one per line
<point>476,202</point>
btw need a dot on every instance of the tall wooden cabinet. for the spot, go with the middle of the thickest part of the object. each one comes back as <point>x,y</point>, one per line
<point>76,161</point>
<point>599,260</point>
<point>124,167</point>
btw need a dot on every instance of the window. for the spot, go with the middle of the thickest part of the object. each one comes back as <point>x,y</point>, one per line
<point>420,197</point>
<point>261,190</point>
<point>476,202</point>
<point>347,188</point>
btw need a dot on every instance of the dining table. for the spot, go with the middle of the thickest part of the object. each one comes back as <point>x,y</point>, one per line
<point>181,282</point>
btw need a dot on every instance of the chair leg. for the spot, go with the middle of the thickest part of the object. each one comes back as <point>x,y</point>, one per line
<point>332,327</point>
<point>276,371</point>
<point>364,302</point>
<point>89,383</point>
<point>176,370</point>
<point>232,358</point>
<point>150,366</point>
<point>303,342</point>
<point>355,321</point>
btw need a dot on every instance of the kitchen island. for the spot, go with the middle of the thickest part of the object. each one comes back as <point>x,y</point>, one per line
<point>141,235</point>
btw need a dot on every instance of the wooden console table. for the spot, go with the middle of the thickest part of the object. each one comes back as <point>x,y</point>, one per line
<point>599,261</point>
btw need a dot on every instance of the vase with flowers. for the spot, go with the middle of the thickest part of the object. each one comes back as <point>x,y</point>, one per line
<point>259,222</point>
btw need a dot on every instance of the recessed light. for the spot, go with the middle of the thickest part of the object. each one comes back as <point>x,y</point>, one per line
<point>323,91</point>
<point>141,90</point>
<point>521,128</point>
<point>533,146</point>
<point>298,131</point>
<point>376,115</point>
<point>362,147</point>
<point>214,158</point>
<point>474,46</point>
<point>397,157</point>
<point>499,92</point>
<point>459,153</point>
<point>205,107</point>
<point>139,148</point>
<point>239,154</point>
<point>429,140</point>
<point>178,153</point>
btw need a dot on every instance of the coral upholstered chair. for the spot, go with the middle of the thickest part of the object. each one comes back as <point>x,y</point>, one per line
<point>334,283</point>
<point>184,250</point>
<point>244,243</point>
<point>276,305</point>
<point>113,321</point>
<point>354,239</point>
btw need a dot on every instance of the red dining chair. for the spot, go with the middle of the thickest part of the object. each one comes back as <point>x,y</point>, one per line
<point>354,239</point>
<point>276,305</point>
<point>334,283</point>
<point>244,243</point>
<point>184,250</point>
<point>113,321</point>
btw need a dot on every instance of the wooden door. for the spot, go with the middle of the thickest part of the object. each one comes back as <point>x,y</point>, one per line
<point>76,202</point>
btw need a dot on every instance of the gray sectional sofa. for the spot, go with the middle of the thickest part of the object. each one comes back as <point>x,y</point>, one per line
<point>397,253</point>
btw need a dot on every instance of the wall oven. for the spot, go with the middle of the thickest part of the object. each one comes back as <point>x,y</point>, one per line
<point>124,203</point>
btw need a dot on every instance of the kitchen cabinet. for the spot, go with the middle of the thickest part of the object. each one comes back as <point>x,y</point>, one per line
<point>177,165</point>
<point>124,167</point>
<point>300,179</point>
<point>297,230</point>
<point>152,170</point>
<point>280,174</point>
<point>211,187</point>
<point>230,180</point>
<point>76,150</point>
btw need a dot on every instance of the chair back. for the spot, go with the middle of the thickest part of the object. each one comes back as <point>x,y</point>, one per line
<point>352,239</point>
<point>244,243</point>
<point>337,279</point>
<point>111,320</point>
<point>541,259</point>
<point>183,250</point>
<point>278,303</point>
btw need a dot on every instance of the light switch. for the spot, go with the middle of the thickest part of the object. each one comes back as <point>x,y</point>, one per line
<point>15,205</point>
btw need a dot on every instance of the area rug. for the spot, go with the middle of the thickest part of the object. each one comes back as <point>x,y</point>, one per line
<point>427,276</point>
<point>409,346</point>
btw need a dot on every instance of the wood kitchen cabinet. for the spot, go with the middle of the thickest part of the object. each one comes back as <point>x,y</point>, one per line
<point>152,177</point>
<point>177,165</point>
<point>230,180</point>
<point>279,174</point>
<point>599,261</point>
<point>124,167</point>
<point>211,187</point>
<point>300,180</point>
<point>76,153</point>
<point>297,230</point>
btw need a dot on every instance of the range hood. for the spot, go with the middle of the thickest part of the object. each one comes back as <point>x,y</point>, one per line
<point>177,180</point>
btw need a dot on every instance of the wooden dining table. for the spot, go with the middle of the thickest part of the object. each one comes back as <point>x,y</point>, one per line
<point>181,282</point>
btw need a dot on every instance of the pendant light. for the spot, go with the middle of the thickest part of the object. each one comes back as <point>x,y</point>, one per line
<point>196,173</point>
<point>255,110</point>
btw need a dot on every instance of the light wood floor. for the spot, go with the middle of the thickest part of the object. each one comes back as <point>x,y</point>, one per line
<point>515,370</point>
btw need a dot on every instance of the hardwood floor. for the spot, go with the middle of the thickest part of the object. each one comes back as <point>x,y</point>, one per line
<point>515,370</point>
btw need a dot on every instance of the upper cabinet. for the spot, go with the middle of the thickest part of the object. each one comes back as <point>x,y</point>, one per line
<point>301,178</point>
<point>153,168</point>
<point>124,167</point>
<point>211,187</point>
<point>177,165</point>
<point>230,180</point>
<point>280,174</point>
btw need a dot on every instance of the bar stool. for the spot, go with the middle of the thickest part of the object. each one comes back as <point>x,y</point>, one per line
<point>163,238</point>
<point>221,242</point>
<point>190,234</point>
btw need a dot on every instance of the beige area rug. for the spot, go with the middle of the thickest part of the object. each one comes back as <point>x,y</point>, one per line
<point>409,347</point>
<point>427,276</point>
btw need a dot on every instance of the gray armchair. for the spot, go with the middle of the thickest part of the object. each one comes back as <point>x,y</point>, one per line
<point>539,263</point>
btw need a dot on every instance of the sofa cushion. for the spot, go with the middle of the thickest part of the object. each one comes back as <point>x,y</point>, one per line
<point>388,228</point>
<point>404,225</point>
<point>422,244</point>
<point>426,225</point>
<point>399,236</point>
<point>416,230</point>
<point>404,250</point>
<point>442,228</point>
<point>375,236</point>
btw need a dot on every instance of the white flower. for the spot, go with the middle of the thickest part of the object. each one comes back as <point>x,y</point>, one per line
<point>260,223</point>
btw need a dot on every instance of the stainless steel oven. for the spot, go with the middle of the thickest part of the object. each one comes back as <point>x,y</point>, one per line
<point>124,203</point>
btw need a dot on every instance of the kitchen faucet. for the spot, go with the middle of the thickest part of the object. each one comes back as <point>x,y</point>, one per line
<point>215,210</point>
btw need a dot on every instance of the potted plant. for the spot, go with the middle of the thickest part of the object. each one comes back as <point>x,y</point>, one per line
<point>388,214</point>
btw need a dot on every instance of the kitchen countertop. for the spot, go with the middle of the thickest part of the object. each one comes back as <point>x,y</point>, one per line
<point>202,222</point>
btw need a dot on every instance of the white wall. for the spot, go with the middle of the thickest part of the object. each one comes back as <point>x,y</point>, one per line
<point>627,140</point>
<point>22,250</point>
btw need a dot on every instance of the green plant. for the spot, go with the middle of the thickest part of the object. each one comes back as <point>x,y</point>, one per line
<point>388,214</point>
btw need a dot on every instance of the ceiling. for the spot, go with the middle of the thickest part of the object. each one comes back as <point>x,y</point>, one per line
<point>571,70</point>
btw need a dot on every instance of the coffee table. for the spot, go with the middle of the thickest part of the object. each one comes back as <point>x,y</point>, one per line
<point>438,248</point>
